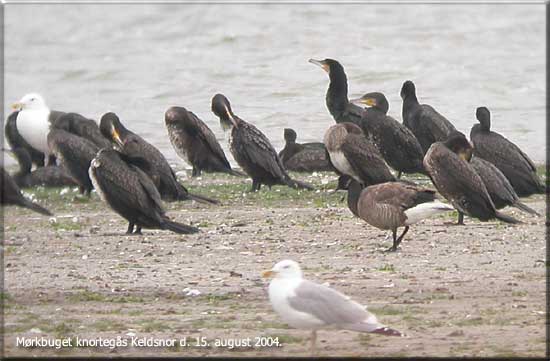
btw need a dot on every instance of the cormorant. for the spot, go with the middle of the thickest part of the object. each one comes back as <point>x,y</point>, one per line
<point>353,154</point>
<point>131,193</point>
<point>11,194</point>
<point>422,119</point>
<point>397,143</point>
<point>193,141</point>
<point>153,162</point>
<point>505,155</point>
<point>392,205</point>
<point>304,157</point>
<point>499,188</point>
<point>252,150</point>
<point>457,181</point>
<point>34,121</point>
<point>337,94</point>
<point>75,154</point>
<point>83,127</point>
<point>48,176</point>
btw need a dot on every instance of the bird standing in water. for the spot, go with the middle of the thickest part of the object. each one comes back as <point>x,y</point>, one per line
<point>252,150</point>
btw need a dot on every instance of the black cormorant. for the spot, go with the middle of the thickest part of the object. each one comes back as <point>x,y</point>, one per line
<point>337,94</point>
<point>505,155</point>
<point>304,157</point>
<point>397,143</point>
<point>422,119</point>
<point>131,193</point>
<point>457,181</point>
<point>153,162</point>
<point>75,154</point>
<point>195,142</point>
<point>11,194</point>
<point>83,127</point>
<point>353,154</point>
<point>48,176</point>
<point>392,205</point>
<point>252,150</point>
<point>499,188</point>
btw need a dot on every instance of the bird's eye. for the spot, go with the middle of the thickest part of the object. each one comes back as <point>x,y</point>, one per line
<point>287,266</point>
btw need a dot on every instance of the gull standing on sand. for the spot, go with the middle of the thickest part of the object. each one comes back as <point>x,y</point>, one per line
<point>308,305</point>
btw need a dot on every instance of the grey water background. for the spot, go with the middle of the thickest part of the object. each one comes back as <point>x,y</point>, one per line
<point>139,59</point>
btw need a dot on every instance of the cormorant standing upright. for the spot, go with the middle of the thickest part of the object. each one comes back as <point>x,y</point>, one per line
<point>195,142</point>
<point>506,156</point>
<point>252,150</point>
<point>353,154</point>
<point>422,119</point>
<point>337,94</point>
<point>131,193</point>
<point>153,162</point>
<point>457,181</point>
<point>397,143</point>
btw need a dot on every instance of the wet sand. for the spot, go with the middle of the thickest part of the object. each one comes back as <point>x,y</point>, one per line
<point>473,290</point>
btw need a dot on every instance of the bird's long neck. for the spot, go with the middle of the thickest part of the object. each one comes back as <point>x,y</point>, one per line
<point>354,191</point>
<point>337,93</point>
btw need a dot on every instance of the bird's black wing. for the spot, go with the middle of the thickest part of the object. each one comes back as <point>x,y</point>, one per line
<point>255,146</point>
<point>366,160</point>
<point>435,124</point>
<point>197,127</point>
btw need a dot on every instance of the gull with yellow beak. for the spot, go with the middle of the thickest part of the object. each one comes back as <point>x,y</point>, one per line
<point>30,126</point>
<point>311,306</point>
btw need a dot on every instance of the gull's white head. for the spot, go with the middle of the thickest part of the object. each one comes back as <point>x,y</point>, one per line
<point>284,269</point>
<point>30,101</point>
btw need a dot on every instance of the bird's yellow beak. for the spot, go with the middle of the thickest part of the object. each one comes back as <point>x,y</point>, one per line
<point>366,101</point>
<point>17,106</point>
<point>116,137</point>
<point>269,274</point>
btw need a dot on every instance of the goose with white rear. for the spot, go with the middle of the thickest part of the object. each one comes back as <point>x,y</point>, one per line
<point>352,154</point>
<point>392,205</point>
<point>311,306</point>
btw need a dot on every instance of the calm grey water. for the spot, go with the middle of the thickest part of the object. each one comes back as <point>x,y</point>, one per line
<point>137,60</point>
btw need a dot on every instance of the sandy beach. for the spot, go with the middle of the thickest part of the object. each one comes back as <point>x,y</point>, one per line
<point>473,290</point>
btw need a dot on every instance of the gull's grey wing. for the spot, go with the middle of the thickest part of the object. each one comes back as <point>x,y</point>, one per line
<point>327,305</point>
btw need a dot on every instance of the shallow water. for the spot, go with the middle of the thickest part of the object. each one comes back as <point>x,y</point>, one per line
<point>137,60</point>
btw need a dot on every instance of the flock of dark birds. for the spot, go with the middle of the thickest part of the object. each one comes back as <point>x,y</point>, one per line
<point>131,175</point>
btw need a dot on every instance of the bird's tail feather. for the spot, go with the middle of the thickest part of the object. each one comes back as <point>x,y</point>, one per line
<point>293,183</point>
<point>503,217</point>
<point>426,210</point>
<point>525,208</point>
<point>202,199</point>
<point>179,227</point>
<point>237,173</point>
<point>387,332</point>
<point>35,207</point>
